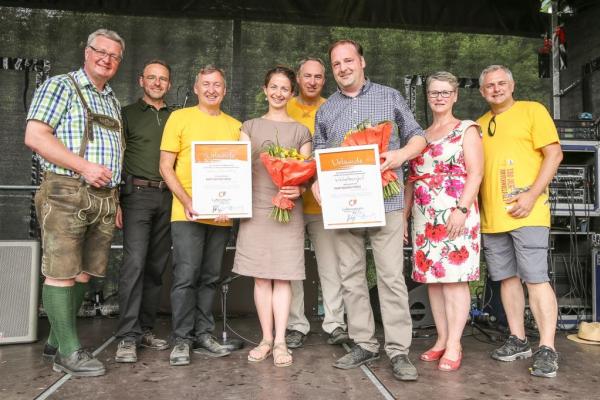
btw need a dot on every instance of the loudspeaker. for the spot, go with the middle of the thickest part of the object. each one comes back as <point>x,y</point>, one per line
<point>418,301</point>
<point>19,282</point>
<point>420,310</point>
<point>492,302</point>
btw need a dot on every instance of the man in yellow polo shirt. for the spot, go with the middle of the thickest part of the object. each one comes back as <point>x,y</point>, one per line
<point>521,155</point>
<point>311,78</point>
<point>198,245</point>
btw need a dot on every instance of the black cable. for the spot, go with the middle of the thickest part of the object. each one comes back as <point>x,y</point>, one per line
<point>26,87</point>
<point>477,336</point>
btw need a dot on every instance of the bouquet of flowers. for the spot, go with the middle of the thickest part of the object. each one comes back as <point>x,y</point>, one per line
<point>286,167</point>
<point>365,133</point>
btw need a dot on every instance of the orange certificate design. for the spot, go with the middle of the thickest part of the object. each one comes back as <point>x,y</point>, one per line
<point>350,187</point>
<point>222,179</point>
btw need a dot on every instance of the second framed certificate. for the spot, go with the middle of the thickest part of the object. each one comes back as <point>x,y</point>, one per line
<point>350,187</point>
<point>222,179</point>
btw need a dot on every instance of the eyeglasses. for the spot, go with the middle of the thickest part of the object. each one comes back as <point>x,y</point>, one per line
<point>492,126</point>
<point>444,93</point>
<point>103,54</point>
<point>153,78</point>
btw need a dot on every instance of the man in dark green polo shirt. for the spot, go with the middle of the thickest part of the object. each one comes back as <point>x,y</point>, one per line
<point>146,213</point>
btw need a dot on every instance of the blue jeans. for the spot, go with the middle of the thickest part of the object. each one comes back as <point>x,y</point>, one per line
<point>198,251</point>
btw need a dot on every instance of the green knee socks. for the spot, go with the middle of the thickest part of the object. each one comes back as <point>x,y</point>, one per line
<point>61,305</point>
<point>80,289</point>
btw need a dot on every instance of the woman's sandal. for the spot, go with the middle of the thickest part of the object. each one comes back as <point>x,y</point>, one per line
<point>432,355</point>
<point>282,356</point>
<point>448,365</point>
<point>262,344</point>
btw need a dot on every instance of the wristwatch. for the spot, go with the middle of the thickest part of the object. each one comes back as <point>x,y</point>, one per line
<point>462,209</point>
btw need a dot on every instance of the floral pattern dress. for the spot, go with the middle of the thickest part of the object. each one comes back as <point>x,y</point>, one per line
<point>439,175</point>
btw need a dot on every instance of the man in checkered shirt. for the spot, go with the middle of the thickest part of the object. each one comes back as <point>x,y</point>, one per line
<point>74,124</point>
<point>356,100</point>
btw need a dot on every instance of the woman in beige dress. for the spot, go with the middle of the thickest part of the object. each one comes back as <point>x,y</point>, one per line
<point>269,251</point>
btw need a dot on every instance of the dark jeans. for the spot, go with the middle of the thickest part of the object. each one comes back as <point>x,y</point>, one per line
<point>198,251</point>
<point>146,252</point>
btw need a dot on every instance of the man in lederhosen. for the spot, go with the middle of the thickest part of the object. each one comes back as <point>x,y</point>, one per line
<point>74,124</point>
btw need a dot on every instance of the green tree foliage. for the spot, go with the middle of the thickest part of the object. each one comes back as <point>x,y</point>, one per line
<point>392,54</point>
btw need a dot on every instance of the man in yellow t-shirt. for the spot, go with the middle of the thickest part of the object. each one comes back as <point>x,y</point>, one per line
<point>198,245</point>
<point>521,155</point>
<point>311,78</point>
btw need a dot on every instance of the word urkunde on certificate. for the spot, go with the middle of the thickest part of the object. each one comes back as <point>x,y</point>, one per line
<point>222,179</point>
<point>350,187</point>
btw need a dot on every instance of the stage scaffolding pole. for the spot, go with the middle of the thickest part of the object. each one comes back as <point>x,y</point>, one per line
<point>555,62</point>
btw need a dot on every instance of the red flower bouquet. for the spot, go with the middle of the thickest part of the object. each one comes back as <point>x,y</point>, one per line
<point>286,167</point>
<point>379,134</point>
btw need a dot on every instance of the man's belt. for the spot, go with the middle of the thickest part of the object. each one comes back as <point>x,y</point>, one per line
<point>49,176</point>
<point>148,183</point>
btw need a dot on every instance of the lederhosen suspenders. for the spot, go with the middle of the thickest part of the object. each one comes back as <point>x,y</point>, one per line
<point>91,118</point>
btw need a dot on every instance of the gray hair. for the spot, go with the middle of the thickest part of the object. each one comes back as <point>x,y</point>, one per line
<point>442,76</point>
<point>307,59</point>
<point>112,35</point>
<point>209,69</point>
<point>493,68</point>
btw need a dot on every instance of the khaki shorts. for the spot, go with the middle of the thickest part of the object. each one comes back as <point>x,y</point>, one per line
<point>77,222</point>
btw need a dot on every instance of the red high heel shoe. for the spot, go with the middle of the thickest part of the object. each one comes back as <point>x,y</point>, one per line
<point>448,365</point>
<point>432,355</point>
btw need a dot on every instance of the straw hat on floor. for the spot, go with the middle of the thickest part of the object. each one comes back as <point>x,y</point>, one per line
<point>588,333</point>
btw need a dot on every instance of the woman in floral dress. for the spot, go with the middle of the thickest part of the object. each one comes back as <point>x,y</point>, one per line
<point>441,195</point>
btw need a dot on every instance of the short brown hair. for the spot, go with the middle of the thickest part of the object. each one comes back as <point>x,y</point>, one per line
<point>340,42</point>
<point>281,69</point>
<point>159,62</point>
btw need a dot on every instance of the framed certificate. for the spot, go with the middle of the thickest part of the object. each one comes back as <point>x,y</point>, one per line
<point>222,179</point>
<point>350,187</point>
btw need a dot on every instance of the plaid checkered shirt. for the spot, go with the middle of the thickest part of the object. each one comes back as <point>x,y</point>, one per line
<point>56,104</point>
<point>375,103</point>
